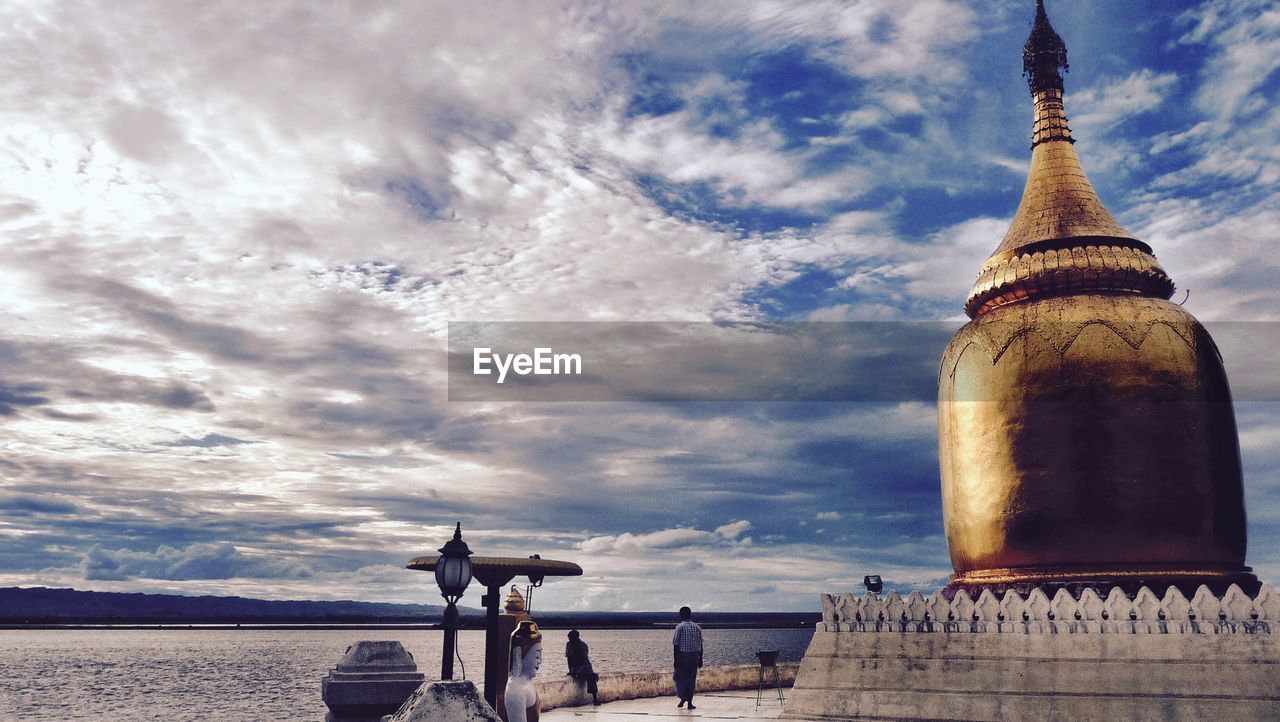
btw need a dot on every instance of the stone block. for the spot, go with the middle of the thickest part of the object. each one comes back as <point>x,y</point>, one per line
<point>452,701</point>
<point>373,679</point>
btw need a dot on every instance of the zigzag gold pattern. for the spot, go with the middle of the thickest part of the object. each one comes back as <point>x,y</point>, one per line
<point>1060,323</point>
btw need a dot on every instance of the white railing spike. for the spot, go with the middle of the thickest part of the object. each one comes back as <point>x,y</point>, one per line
<point>915,606</point>
<point>1267,603</point>
<point>1237,606</point>
<point>1206,606</point>
<point>1038,606</point>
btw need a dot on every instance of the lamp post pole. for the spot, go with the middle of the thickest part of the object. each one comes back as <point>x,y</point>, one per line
<point>450,640</point>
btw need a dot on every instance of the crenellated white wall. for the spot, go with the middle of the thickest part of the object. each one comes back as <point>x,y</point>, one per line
<point>1232,613</point>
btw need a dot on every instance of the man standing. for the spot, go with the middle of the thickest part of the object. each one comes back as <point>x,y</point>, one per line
<point>687,642</point>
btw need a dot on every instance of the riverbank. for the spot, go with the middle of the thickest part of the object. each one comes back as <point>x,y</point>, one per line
<point>564,691</point>
<point>732,705</point>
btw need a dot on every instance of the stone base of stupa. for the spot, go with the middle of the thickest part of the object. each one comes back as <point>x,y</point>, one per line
<point>1117,658</point>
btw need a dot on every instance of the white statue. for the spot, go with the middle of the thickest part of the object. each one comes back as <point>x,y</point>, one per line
<point>521,697</point>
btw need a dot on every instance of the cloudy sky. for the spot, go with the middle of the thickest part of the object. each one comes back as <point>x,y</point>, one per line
<point>234,234</point>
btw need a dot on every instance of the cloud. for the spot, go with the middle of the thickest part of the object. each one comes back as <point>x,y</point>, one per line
<point>678,538</point>
<point>1245,38</point>
<point>663,539</point>
<point>733,530</point>
<point>29,504</point>
<point>1101,107</point>
<point>23,395</point>
<point>1229,157</point>
<point>209,441</point>
<point>196,561</point>
<point>828,516</point>
<point>58,376</point>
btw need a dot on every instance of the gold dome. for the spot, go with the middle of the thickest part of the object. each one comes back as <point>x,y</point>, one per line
<point>515,601</point>
<point>1086,432</point>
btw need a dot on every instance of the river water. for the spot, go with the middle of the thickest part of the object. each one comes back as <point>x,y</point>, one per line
<point>241,674</point>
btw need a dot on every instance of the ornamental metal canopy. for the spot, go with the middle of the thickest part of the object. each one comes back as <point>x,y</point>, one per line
<point>498,571</point>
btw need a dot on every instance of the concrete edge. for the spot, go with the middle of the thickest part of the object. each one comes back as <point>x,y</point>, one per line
<point>564,691</point>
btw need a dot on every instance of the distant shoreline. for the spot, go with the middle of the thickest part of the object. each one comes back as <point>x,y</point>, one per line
<point>44,608</point>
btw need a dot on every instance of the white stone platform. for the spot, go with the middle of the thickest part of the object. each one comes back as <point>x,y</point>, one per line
<point>1145,658</point>
<point>734,705</point>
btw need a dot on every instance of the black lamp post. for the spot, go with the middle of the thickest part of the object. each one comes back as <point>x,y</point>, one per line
<point>453,574</point>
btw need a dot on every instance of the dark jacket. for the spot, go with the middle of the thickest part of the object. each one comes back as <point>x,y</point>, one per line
<point>576,652</point>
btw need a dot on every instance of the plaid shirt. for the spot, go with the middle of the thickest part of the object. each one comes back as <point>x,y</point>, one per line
<point>688,637</point>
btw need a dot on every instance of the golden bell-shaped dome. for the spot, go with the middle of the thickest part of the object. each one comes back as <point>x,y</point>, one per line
<point>1086,431</point>
<point>515,601</point>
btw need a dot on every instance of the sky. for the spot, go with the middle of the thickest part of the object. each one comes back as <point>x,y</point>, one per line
<point>233,236</point>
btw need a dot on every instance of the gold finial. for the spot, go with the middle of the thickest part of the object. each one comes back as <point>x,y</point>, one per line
<point>1044,54</point>
<point>515,600</point>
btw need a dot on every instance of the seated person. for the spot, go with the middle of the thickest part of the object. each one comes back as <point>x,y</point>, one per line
<point>575,652</point>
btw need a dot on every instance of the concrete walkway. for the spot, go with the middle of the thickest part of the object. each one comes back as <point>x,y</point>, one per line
<point>733,705</point>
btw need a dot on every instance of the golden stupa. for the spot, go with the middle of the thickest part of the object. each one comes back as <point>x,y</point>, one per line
<point>1086,432</point>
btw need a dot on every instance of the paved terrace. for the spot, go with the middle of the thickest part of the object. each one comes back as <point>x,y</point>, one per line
<point>730,705</point>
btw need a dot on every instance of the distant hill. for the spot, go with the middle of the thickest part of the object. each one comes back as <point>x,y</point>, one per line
<point>40,605</point>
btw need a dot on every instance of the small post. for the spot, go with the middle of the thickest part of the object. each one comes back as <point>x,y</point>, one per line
<point>494,655</point>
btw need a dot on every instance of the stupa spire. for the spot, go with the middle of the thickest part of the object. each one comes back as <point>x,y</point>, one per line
<point>1063,240</point>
